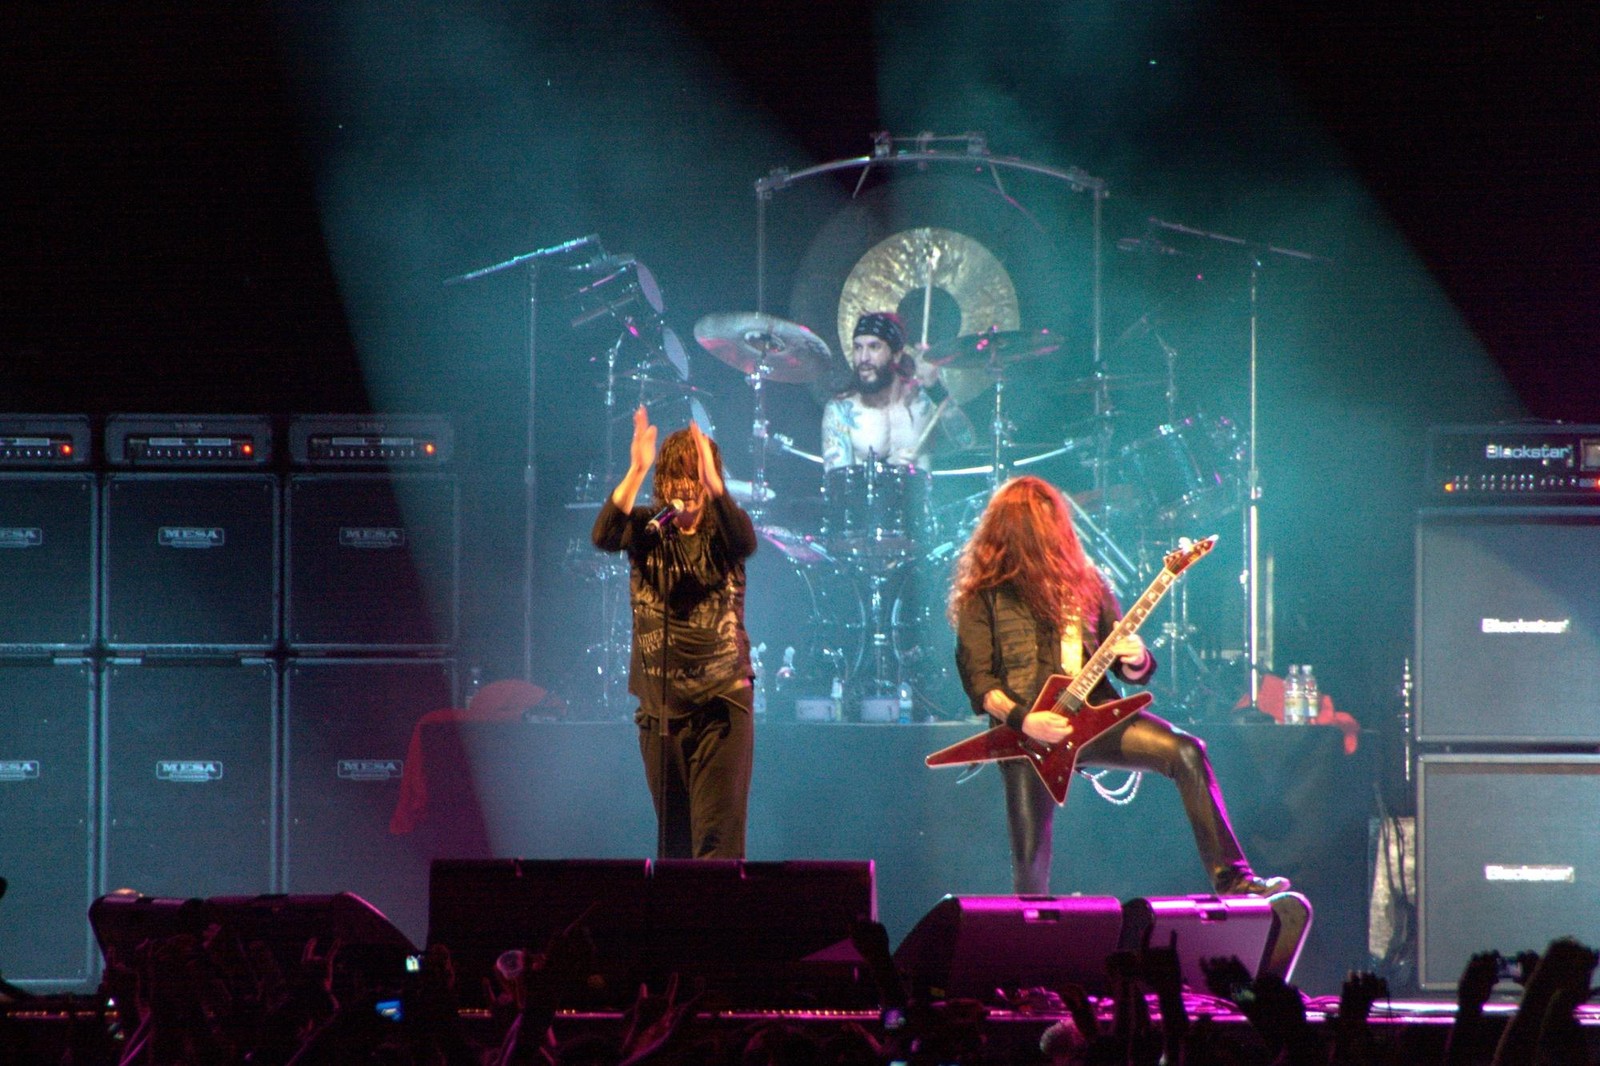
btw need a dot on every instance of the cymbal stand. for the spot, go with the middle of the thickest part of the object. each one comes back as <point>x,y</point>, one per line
<point>759,440</point>
<point>1177,630</point>
<point>999,469</point>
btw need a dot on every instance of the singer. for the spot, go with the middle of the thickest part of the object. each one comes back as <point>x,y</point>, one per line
<point>690,668</point>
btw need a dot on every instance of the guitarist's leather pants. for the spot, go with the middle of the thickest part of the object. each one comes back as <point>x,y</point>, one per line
<point>1145,742</point>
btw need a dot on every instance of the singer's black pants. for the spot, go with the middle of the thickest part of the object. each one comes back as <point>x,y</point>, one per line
<point>709,753</point>
<point>1146,743</point>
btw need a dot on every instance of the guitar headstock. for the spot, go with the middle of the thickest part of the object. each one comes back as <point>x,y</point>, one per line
<point>1178,560</point>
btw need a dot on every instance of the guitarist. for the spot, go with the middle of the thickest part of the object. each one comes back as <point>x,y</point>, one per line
<point>1027,603</point>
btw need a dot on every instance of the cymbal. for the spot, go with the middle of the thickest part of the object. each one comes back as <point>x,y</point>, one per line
<point>993,348</point>
<point>755,343</point>
<point>1114,382</point>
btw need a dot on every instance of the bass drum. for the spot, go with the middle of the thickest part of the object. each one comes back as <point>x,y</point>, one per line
<point>813,609</point>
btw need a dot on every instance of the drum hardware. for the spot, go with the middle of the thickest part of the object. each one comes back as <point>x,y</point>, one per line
<point>993,348</point>
<point>624,284</point>
<point>1111,383</point>
<point>763,348</point>
<point>1188,471</point>
<point>801,547</point>
<point>786,443</point>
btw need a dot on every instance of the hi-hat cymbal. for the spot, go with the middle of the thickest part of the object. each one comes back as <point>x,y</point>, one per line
<point>755,343</point>
<point>993,348</point>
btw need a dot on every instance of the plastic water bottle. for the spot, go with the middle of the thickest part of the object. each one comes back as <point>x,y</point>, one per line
<point>904,715</point>
<point>836,700</point>
<point>1308,684</point>
<point>1294,696</point>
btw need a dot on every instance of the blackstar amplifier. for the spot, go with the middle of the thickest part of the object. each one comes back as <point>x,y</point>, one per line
<point>165,441</point>
<point>1517,463</point>
<point>355,441</point>
<point>34,441</point>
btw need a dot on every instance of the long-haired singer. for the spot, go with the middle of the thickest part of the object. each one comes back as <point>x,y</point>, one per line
<point>690,668</point>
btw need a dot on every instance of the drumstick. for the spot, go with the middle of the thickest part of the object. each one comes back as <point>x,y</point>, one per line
<point>927,429</point>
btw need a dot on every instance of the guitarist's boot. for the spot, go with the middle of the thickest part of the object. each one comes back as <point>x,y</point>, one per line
<point>1244,883</point>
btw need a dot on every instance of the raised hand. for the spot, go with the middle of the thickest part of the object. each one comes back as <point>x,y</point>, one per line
<point>710,476</point>
<point>1477,981</point>
<point>642,452</point>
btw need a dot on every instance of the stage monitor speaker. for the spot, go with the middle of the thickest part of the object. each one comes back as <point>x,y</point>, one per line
<point>1264,933</point>
<point>47,562</point>
<point>1507,855</point>
<point>46,821</point>
<point>371,954</point>
<point>968,946</point>
<point>190,563</point>
<point>372,562</point>
<point>759,934</point>
<point>347,730</point>
<point>1508,628</point>
<point>774,934</point>
<point>190,777</point>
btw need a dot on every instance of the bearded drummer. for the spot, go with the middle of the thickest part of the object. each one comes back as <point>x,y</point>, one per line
<point>889,408</point>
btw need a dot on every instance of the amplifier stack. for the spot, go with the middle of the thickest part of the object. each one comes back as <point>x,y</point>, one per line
<point>208,644</point>
<point>1508,691</point>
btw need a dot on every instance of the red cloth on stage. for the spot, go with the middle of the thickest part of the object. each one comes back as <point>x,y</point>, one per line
<point>1269,699</point>
<point>500,701</point>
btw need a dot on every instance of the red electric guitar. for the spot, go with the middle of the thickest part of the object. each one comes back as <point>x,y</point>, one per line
<point>1065,696</point>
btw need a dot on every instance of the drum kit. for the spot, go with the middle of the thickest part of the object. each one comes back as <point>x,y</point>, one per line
<point>850,605</point>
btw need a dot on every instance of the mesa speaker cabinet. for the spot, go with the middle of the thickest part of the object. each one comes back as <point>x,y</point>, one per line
<point>372,562</point>
<point>1508,626</point>
<point>190,562</point>
<point>348,729</point>
<point>1508,857</point>
<point>46,820</point>
<point>188,777</point>
<point>47,562</point>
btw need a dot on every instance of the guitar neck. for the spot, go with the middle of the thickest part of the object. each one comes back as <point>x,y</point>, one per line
<point>1093,670</point>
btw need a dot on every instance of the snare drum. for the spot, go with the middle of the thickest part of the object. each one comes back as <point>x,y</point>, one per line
<point>1188,472</point>
<point>876,507</point>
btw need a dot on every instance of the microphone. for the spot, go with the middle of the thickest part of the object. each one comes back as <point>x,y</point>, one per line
<point>664,516</point>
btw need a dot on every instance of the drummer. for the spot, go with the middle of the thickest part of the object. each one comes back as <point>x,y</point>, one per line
<point>886,413</point>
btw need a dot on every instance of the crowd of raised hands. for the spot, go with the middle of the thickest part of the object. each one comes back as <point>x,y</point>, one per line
<point>189,1000</point>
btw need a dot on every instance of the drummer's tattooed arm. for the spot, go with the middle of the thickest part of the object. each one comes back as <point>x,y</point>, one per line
<point>838,417</point>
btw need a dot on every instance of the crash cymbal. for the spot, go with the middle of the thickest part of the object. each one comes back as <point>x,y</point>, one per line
<point>752,342</point>
<point>993,348</point>
<point>1114,382</point>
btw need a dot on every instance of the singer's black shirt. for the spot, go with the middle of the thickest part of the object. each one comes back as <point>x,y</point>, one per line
<point>708,651</point>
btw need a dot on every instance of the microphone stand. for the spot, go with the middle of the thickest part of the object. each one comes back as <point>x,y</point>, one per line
<point>666,732</point>
<point>530,476</point>
<point>1251,578</point>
